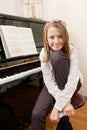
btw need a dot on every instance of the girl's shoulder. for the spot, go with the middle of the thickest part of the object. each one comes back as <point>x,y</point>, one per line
<point>73,50</point>
<point>73,47</point>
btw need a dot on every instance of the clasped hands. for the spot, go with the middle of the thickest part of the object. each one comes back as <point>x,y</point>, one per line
<point>68,110</point>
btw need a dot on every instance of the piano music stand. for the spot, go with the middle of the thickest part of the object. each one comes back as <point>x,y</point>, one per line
<point>64,124</point>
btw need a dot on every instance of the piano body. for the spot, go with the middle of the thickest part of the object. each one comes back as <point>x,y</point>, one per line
<point>20,77</point>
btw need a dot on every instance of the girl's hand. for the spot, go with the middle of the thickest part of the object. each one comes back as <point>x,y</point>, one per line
<point>69,110</point>
<point>54,116</point>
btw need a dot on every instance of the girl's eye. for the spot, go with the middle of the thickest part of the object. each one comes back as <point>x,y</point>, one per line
<point>51,37</point>
<point>60,36</point>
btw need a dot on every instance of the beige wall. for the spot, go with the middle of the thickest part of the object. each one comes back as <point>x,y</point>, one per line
<point>10,7</point>
<point>21,7</point>
<point>73,12</point>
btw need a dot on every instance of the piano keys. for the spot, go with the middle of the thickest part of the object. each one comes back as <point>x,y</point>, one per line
<point>12,76</point>
<point>17,71</point>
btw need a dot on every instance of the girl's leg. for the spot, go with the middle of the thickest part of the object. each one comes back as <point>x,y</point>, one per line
<point>64,124</point>
<point>60,64</point>
<point>42,107</point>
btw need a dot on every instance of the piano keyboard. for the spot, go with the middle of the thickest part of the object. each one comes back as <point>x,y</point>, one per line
<point>12,73</point>
<point>8,79</point>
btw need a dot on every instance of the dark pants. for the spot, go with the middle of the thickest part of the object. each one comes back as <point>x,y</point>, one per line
<point>45,100</point>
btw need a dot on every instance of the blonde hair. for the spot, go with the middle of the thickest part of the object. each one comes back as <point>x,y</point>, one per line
<point>62,29</point>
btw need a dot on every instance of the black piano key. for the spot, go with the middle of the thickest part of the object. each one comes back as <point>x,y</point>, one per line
<point>18,69</point>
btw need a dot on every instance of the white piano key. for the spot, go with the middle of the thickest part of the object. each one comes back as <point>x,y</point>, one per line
<point>8,79</point>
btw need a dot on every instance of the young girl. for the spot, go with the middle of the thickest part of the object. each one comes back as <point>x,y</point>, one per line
<point>62,78</point>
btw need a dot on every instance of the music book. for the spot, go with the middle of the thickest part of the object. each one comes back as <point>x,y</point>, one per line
<point>17,41</point>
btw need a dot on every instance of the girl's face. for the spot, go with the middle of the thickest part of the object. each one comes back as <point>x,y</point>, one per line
<point>55,39</point>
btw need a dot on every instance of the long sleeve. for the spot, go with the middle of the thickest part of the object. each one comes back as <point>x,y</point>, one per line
<point>64,96</point>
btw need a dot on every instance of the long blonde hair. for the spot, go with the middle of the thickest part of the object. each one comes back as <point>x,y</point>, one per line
<point>62,29</point>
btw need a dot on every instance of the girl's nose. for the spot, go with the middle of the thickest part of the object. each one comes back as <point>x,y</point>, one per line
<point>56,40</point>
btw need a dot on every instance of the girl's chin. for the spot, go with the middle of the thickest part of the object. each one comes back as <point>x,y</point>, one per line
<point>56,49</point>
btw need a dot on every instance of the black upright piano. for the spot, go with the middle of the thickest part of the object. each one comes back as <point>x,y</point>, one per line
<point>20,77</point>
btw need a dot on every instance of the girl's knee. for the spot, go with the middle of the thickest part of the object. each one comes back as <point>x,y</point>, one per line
<point>57,56</point>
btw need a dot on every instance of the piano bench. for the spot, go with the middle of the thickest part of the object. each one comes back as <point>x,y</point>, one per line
<point>78,100</point>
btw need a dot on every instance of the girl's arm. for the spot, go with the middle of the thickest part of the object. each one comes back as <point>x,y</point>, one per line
<point>62,97</point>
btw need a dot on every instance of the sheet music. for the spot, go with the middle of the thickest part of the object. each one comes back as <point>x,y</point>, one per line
<point>17,41</point>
